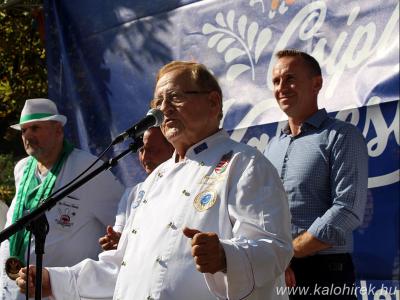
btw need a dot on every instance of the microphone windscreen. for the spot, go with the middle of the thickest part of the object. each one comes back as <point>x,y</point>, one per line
<point>158,116</point>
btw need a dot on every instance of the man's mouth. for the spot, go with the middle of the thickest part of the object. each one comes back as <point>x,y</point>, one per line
<point>169,121</point>
<point>30,145</point>
<point>284,97</point>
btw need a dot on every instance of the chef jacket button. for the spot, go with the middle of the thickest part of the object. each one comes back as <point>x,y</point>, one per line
<point>186,193</point>
<point>171,225</point>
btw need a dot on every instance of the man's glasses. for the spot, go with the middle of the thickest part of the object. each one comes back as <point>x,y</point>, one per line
<point>175,98</point>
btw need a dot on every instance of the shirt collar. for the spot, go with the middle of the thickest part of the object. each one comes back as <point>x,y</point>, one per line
<point>318,118</point>
<point>204,144</point>
<point>315,121</point>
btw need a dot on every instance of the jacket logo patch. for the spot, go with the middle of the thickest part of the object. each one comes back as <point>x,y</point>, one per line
<point>64,217</point>
<point>223,163</point>
<point>205,200</point>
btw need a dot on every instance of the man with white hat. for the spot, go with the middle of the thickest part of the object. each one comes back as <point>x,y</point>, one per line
<point>76,221</point>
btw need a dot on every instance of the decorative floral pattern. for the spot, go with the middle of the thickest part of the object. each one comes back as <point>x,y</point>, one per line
<point>237,38</point>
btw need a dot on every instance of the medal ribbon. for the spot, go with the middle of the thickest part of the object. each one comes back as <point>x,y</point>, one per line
<point>30,193</point>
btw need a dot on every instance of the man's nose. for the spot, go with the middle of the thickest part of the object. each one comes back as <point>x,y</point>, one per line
<point>165,105</point>
<point>146,155</point>
<point>27,133</point>
<point>279,86</point>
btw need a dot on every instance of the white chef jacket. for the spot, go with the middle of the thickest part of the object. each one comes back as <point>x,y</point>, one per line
<point>238,196</point>
<point>76,222</point>
<point>125,207</point>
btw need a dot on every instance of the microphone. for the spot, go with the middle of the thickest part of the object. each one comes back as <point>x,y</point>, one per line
<point>154,117</point>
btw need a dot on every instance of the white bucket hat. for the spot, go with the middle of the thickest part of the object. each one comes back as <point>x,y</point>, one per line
<point>39,110</point>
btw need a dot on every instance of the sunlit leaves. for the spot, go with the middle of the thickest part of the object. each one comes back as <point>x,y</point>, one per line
<point>23,75</point>
<point>23,71</point>
<point>7,189</point>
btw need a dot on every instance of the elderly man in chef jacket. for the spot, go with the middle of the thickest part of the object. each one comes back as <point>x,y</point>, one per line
<point>212,221</point>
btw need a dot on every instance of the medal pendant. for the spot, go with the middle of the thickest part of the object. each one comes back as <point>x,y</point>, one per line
<point>13,265</point>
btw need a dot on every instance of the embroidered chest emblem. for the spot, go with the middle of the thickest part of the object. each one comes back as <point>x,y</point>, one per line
<point>64,217</point>
<point>223,163</point>
<point>205,200</point>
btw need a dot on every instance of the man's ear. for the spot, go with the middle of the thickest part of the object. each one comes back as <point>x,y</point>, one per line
<point>215,102</point>
<point>317,84</point>
<point>59,129</point>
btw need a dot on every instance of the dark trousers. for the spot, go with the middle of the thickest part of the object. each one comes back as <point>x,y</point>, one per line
<point>328,276</point>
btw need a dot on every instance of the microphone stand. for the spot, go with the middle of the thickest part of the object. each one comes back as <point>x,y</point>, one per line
<point>36,220</point>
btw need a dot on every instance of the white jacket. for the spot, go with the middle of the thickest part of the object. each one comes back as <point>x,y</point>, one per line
<point>76,222</point>
<point>246,206</point>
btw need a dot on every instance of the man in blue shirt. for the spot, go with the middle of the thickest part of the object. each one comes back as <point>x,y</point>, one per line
<point>323,163</point>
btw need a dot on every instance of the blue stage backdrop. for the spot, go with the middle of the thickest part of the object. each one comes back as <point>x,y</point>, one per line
<point>103,56</point>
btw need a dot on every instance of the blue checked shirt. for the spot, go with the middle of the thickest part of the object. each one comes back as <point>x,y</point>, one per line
<point>324,170</point>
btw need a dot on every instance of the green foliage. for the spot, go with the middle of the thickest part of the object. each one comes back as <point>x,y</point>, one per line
<point>23,75</point>
<point>23,72</point>
<point>7,188</point>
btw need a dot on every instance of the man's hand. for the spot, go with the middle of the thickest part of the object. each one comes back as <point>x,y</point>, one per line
<point>110,240</point>
<point>208,253</point>
<point>290,278</point>
<point>21,281</point>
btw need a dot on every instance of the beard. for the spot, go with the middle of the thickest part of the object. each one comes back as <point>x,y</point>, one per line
<point>36,152</point>
<point>33,149</point>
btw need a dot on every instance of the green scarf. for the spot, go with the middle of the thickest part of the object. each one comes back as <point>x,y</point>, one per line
<point>30,193</point>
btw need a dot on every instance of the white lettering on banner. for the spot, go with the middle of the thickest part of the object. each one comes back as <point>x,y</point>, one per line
<point>358,50</point>
<point>376,146</point>
<point>374,118</point>
<point>374,122</point>
<point>241,37</point>
<point>356,53</point>
<point>237,36</point>
<point>254,112</point>
<point>302,19</point>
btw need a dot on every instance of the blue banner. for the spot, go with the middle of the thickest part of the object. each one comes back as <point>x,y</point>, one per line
<point>103,57</point>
